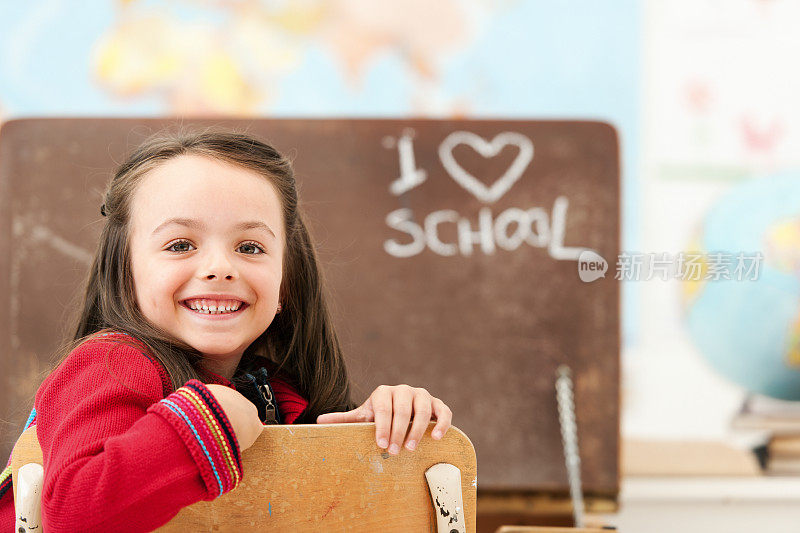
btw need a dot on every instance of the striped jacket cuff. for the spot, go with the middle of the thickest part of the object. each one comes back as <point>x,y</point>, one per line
<point>202,424</point>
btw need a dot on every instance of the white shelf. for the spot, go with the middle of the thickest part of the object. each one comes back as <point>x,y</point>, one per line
<point>710,489</point>
<point>707,504</point>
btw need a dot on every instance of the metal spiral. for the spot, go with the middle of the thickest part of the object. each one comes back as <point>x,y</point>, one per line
<point>569,439</point>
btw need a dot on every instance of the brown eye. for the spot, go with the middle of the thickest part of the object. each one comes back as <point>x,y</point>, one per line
<point>171,247</point>
<point>251,246</point>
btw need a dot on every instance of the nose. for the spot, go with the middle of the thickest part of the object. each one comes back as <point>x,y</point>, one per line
<point>218,266</point>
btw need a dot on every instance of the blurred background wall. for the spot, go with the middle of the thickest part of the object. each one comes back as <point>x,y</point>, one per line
<point>703,94</point>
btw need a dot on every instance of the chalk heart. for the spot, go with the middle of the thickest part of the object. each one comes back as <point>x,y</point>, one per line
<point>486,149</point>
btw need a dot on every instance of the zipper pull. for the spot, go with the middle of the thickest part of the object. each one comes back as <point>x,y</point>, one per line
<point>272,414</point>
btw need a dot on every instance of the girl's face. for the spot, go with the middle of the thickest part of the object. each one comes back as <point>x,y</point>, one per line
<point>206,232</point>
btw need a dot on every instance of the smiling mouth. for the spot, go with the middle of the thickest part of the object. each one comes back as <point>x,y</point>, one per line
<point>221,312</point>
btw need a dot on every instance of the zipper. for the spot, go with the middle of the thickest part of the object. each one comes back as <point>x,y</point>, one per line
<point>268,409</point>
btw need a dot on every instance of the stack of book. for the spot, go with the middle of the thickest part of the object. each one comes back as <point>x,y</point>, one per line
<point>780,421</point>
<point>783,455</point>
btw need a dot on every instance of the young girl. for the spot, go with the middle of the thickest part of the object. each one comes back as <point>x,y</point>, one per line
<point>204,274</point>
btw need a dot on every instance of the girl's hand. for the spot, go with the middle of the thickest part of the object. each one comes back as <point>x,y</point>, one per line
<point>391,408</point>
<point>241,412</point>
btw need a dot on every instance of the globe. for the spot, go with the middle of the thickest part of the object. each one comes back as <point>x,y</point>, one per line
<point>749,329</point>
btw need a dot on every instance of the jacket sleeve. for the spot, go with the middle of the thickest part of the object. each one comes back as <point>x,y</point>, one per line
<point>118,455</point>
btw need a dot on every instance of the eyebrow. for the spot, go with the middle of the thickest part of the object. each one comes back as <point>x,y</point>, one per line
<point>196,224</point>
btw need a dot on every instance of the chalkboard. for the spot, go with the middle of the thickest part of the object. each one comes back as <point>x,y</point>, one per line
<point>451,249</point>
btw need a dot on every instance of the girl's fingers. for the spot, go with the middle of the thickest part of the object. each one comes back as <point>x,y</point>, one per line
<point>336,418</point>
<point>362,413</point>
<point>391,409</point>
<point>381,400</point>
<point>443,418</point>
<point>422,417</point>
<point>402,404</point>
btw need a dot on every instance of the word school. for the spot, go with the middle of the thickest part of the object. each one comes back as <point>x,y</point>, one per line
<point>508,231</point>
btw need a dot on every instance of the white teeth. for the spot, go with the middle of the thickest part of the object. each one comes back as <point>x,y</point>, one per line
<point>216,308</point>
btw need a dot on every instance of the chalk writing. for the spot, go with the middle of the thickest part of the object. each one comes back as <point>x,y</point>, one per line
<point>508,231</point>
<point>486,149</point>
<point>410,175</point>
<point>512,228</point>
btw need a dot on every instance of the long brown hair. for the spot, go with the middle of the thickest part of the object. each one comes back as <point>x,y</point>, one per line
<point>300,341</point>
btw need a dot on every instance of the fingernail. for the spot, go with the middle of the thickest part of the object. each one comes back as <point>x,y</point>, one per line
<point>436,434</point>
<point>383,443</point>
<point>394,449</point>
<point>411,444</point>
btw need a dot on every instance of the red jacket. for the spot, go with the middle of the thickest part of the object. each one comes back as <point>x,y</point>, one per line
<point>123,451</point>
